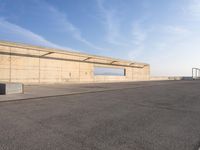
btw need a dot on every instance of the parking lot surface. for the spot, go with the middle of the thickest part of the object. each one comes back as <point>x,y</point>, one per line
<point>162,115</point>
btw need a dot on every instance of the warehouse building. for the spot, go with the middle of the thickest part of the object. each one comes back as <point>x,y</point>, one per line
<point>36,65</point>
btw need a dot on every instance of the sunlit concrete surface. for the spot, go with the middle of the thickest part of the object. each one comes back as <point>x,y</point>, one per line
<point>119,116</point>
<point>36,65</point>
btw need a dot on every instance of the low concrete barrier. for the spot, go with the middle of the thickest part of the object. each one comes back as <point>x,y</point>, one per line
<point>161,78</point>
<point>11,88</point>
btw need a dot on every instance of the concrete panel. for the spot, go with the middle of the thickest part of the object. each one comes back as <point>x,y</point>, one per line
<point>129,74</point>
<point>4,68</point>
<point>86,72</point>
<point>24,69</point>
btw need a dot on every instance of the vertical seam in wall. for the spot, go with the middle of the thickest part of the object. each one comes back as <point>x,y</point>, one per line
<point>39,68</point>
<point>61,74</point>
<point>10,66</point>
<point>93,73</point>
<point>132,73</point>
<point>79,72</point>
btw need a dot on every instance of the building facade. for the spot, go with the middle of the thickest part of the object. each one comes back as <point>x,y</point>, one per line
<point>37,65</point>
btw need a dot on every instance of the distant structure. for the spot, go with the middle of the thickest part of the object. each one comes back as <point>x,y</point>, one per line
<point>196,73</point>
<point>34,65</point>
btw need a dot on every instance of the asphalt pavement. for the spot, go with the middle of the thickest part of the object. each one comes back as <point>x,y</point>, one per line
<point>153,116</point>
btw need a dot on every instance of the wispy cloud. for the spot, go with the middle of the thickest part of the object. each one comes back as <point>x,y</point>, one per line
<point>138,34</point>
<point>138,37</point>
<point>24,35</point>
<point>65,25</point>
<point>111,24</point>
<point>173,51</point>
<point>178,30</point>
<point>194,8</point>
<point>132,42</point>
<point>191,10</point>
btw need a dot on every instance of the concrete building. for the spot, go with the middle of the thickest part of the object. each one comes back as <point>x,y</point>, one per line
<point>34,65</point>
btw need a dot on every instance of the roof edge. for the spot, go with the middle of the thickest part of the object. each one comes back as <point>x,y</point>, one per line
<point>64,51</point>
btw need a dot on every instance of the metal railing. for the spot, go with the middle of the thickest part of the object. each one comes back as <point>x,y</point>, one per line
<point>195,73</point>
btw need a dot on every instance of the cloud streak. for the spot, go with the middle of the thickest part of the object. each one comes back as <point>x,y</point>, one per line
<point>194,8</point>
<point>25,35</point>
<point>178,30</point>
<point>64,24</point>
<point>133,42</point>
<point>174,51</point>
<point>111,24</point>
<point>138,34</point>
<point>137,41</point>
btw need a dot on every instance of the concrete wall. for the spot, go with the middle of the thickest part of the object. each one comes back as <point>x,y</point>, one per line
<point>25,64</point>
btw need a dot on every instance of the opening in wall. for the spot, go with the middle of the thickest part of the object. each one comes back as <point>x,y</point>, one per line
<point>108,71</point>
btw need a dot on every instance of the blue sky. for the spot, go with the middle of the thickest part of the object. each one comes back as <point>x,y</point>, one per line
<point>163,33</point>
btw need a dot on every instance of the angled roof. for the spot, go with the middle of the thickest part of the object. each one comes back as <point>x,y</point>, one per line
<point>68,55</point>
